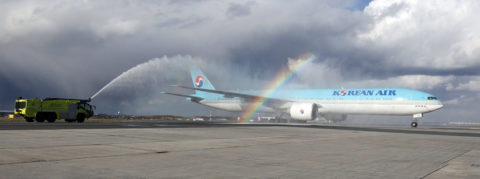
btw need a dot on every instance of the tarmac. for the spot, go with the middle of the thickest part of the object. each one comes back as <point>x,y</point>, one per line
<point>154,149</point>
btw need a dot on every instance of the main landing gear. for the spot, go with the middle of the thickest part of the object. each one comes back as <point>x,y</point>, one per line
<point>414,123</point>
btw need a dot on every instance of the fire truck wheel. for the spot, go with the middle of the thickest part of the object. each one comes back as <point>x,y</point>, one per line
<point>40,117</point>
<point>52,117</point>
<point>29,119</point>
<point>80,118</point>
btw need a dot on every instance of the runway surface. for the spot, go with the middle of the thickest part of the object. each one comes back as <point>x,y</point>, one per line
<point>185,124</point>
<point>154,149</point>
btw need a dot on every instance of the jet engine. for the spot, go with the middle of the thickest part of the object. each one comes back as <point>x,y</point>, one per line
<point>304,111</point>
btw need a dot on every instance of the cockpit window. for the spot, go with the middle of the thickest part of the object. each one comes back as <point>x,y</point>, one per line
<point>432,98</point>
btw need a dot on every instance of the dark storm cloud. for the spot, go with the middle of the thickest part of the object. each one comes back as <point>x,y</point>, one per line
<point>324,36</point>
<point>60,48</point>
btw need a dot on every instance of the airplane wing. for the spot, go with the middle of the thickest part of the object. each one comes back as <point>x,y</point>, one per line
<point>193,98</point>
<point>272,102</point>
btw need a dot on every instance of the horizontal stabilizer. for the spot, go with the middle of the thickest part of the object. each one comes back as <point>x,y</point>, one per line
<point>193,98</point>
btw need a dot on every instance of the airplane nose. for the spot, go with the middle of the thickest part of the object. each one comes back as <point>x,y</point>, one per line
<point>435,106</point>
<point>438,106</point>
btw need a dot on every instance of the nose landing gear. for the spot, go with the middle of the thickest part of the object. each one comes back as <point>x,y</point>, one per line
<point>414,123</point>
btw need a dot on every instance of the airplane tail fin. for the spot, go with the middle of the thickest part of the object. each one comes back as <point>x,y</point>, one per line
<point>199,79</point>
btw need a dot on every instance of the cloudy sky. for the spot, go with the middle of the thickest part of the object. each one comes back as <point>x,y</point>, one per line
<point>65,48</point>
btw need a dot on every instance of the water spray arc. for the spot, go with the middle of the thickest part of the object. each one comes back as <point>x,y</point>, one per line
<point>106,86</point>
<point>141,74</point>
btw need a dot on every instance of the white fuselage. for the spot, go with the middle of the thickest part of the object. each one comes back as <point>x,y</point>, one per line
<point>377,107</point>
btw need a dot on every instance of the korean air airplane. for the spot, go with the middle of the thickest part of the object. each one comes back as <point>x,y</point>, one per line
<point>306,104</point>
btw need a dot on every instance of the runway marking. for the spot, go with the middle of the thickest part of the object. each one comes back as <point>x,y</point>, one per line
<point>437,169</point>
<point>445,163</point>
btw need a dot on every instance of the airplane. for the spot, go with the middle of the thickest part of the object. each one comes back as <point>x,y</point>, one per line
<point>306,104</point>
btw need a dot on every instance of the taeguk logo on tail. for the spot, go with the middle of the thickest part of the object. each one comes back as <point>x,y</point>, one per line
<point>199,81</point>
<point>302,111</point>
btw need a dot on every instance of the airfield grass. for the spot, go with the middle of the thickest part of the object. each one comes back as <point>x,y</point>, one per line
<point>6,119</point>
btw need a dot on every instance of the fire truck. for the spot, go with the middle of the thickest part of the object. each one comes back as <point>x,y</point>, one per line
<point>52,109</point>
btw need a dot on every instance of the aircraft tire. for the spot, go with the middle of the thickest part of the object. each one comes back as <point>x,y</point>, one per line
<point>414,124</point>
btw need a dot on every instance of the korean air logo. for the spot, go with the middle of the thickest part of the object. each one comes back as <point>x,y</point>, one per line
<point>302,111</point>
<point>366,92</point>
<point>199,81</point>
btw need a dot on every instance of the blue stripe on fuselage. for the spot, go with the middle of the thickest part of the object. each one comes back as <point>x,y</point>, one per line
<point>334,94</point>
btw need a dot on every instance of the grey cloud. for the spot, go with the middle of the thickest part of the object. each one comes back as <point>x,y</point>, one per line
<point>182,23</point>
<point>73,49</point>
<point>239,10</point>
<point>414,36</point>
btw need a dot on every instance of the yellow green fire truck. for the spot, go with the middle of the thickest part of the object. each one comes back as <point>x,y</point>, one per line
<point>51,109</point>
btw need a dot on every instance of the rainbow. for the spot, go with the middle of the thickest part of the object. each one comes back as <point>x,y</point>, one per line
<point>280,79</point>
